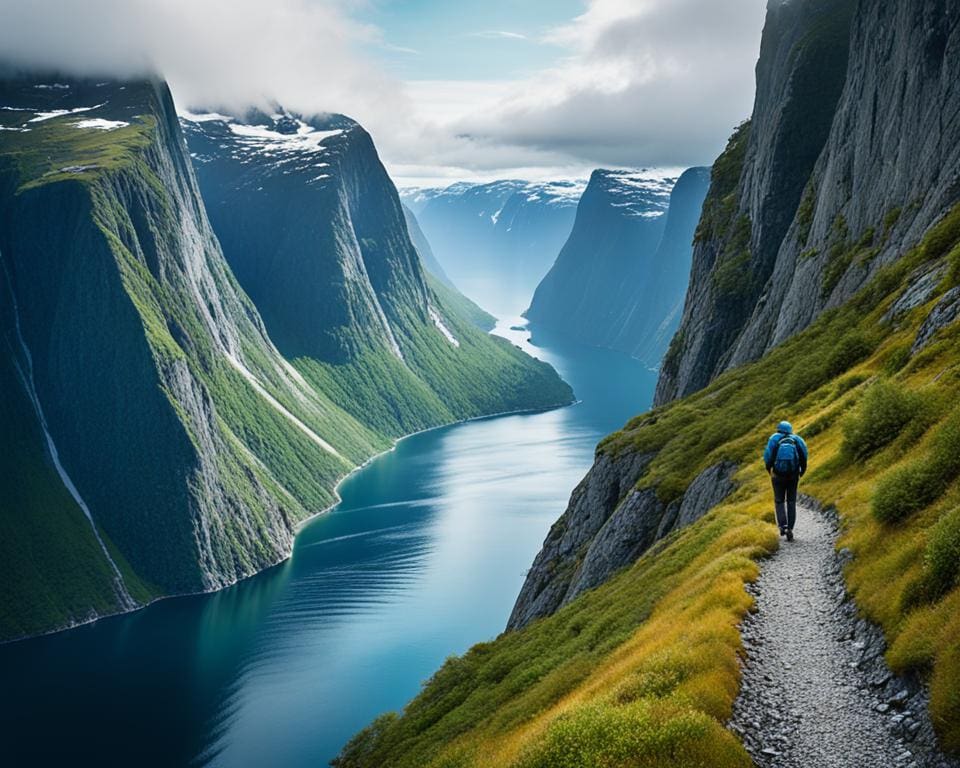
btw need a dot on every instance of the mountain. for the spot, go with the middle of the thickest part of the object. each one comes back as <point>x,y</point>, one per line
<point>420,242</point>
<point>620,279</point>
<point>331,267</point>
<point>155,439</point>
<point>442,285</point>
<point>825,288</point>
<point>497,240</point>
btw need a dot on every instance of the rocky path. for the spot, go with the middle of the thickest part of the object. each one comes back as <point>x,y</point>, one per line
<point>816,691</point>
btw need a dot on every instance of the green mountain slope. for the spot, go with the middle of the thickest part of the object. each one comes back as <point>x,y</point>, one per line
<point>155,440</point>
<point>643,669</point>
<point>315,231</point>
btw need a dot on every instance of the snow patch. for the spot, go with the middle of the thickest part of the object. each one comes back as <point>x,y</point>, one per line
<point>100,124</point>
<point>438,321</point>
<point>41,116</point>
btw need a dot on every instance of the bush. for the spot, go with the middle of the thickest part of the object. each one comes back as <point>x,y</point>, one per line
<point>904,491</point>
<point>884,412</point>
<point>942,559</point>
<point>921,482</point>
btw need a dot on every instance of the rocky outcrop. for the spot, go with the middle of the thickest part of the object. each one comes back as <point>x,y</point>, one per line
<point>946,311</point>
<point>620,279</point>
<point>814,232</point>
<point>608,524</point>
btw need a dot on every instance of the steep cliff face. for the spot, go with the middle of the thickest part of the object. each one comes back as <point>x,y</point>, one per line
<point>620,280</point>
<point>608,524</point>
<point>316,232</point>
<point>497,240</point>
<point>155,440</point>
<point>851,156</point>
<point>424,249</point>
<point>757,185</point>
<point>157,400</point>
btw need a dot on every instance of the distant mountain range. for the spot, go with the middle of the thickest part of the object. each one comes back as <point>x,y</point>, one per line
<point>497,240</point>
<point>620,279</point>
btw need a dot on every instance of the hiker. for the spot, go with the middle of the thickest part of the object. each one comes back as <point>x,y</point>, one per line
<point>786,460</point>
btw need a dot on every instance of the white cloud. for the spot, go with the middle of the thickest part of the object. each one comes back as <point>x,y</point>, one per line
<point>230,53</point>
<point>646,82</point>
<point>636,82</point>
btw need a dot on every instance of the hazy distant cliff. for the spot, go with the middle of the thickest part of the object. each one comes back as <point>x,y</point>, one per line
<point>620,279</point>
<point>497,240</point>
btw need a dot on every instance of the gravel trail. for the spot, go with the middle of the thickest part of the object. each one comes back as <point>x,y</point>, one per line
<point>816,692</point>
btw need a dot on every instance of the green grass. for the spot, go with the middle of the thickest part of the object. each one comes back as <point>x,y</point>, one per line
<point>643,669</point>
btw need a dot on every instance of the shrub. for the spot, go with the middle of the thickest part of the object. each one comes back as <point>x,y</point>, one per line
<point>942,558</point>
<point>904,491</point>
<point>884,412</point>
<point>921,482</point>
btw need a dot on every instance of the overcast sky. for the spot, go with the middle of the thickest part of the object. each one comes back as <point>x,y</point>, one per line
<point>450,89</point>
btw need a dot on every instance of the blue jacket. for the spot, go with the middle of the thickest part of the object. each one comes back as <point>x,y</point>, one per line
<point>774,441</point>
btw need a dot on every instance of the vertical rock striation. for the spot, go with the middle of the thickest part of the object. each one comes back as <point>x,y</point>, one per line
<point>852,154</point>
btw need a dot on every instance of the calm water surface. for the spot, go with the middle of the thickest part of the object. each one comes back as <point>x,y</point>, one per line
<point>422,559</point>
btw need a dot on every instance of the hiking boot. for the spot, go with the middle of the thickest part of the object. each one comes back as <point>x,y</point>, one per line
<point>790,535</point>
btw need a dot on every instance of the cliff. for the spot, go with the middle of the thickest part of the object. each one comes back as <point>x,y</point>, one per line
<point>850,157</point>
<point>315,231</point>
<point>155,440</point>
<point>620,279</point>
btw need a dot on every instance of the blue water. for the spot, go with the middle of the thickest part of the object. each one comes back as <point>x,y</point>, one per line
<point>423,558</point>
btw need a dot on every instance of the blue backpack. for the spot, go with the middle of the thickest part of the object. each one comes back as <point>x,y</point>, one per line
<point>786,456</point>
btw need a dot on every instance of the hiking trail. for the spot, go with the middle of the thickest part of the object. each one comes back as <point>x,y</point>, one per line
<point>816,691</point>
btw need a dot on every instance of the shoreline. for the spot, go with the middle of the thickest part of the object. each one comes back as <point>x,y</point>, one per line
<point>95,617</point>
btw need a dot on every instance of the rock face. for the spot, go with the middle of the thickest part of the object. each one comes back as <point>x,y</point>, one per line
<point>608,524</point>
<point>852,154</point>
<point>154,439</point>
<point>620,280</point>
<point>497,240</point>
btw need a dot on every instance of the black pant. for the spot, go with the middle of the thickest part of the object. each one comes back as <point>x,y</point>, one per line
<point>785,490</point>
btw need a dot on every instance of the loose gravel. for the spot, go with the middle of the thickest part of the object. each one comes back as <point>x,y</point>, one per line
<point>816,692</point>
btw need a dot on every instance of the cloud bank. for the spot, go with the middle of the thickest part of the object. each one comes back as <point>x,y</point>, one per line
<point>635,83</point>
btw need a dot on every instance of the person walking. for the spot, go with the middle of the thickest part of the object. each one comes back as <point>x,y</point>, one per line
<point>785,458</point>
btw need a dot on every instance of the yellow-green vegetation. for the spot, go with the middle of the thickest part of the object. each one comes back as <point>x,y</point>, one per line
<point>56,150</point>
<point>642,671</point>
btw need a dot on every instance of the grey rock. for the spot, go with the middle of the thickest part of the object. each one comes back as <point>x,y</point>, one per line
<point>892,147</point>
<point>946,311</point>
<point>607,526</point>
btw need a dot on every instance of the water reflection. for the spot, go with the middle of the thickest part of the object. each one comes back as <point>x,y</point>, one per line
<point>422,559</point>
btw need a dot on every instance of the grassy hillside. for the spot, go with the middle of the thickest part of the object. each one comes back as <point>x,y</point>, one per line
<point>643,670</point>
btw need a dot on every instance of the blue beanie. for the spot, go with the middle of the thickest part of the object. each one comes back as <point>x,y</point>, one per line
<point>785,426</point>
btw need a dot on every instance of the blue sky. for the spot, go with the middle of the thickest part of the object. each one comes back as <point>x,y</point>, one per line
<point>437,39</point>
